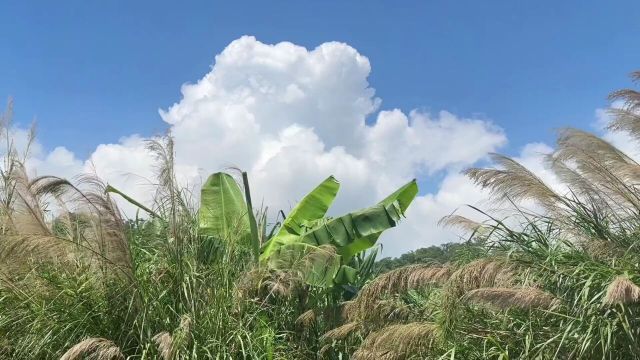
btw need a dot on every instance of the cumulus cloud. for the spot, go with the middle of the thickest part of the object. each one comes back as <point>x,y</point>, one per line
<point>291,116</point>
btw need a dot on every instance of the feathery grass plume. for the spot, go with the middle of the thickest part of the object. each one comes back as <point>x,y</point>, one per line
<point>622,291</point>
<point>106,233</point>
<point>513,182</point>
<point>94,349</point>
<point>626,120</point>
<point>460,222</point>
<point>20,253</point>
<point>261,284</point>
<point>601,249</point>
<point>610,170</point>
<point>362,354</point>
<point>396,281</point>
<point>505,298</point>
<point>480,273</point>
<point>402,280</point>
<point>582,146</point>
<point>403,341</point>
<point>574,180</point>
<point>323,350</point>
<point>307,319</point>
<point>26,210</point>
<point>170,198</point>
<point>630,97</point>
<point>164,342</point>
<point>182,335</point>
<point>380,312</point>
<point>341,332</point>
<point>168,345</point>
<point>348,309</point>
<point>281,284</point>
<point>307,261</point>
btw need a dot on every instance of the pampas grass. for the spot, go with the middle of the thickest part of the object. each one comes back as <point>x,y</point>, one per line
<point>622,291</point>
<point>94,349</point>
<point>399,341</point>
<point>506,298</point>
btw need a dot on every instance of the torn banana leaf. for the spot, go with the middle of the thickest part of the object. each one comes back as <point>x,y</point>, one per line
<point>312,207</point>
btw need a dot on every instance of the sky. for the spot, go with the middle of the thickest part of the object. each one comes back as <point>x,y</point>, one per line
<point>374,92</point>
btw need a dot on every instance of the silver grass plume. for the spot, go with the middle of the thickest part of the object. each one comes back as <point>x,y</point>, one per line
<point>94,349</point>
<point>506,298</point>
<point>622,291</point>
<point>341,332</point>
<point>399,341</point>
<point>168,344</point>
<point>399,281</point>
<point>513,182</point>
<point>307,319</point>
<point>460,222</point>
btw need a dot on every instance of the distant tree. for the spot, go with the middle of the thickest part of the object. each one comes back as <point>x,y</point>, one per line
<point>439,254</point>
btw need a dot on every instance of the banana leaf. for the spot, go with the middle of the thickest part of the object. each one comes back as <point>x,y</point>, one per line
<point>223,211</point>
<point>346,275</point>
<point>360,230</point>
<point>312,207</point>
<point>347,235</point>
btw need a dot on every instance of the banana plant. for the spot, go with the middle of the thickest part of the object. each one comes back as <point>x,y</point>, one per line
<point>349,234</point>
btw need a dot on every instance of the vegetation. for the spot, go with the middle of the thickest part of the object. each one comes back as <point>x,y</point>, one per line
<point>440,254</point>
<point>561,282</point>
<point>215,280</point>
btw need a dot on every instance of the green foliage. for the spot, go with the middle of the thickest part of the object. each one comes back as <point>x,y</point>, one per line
<point>223,211</point>
<point>440,254</point>
<point>311,208</point>
<point>349,234</point>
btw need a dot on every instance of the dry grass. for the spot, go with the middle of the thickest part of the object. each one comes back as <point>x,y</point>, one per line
<point>380,312</point>
<point>94,349</point>
<point>341,332</point>
<point>261,284</point>
<point>622,291</point>
<point>164,342</point>
<point>307,319</point>
<point>168,344</point>
<point>370,304</point>
<point>399,341</point>
<point>460,222</point>
<point>478,274</point>
<point>402,280</point>
<point>506,298</point>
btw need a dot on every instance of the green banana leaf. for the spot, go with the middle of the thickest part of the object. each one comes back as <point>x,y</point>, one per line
<point>223,211</point>
<point>346,275</point>
<point>358,231</point>
<point>312,207</point>
<point>353,232</point>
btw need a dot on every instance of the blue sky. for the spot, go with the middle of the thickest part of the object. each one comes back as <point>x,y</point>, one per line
<point>505,73</point>
<point>92,72</point>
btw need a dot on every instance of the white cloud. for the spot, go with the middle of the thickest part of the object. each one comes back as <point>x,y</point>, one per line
<point>292,116</point>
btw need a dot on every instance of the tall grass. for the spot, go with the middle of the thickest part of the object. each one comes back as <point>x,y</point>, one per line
<point>79,281</point>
